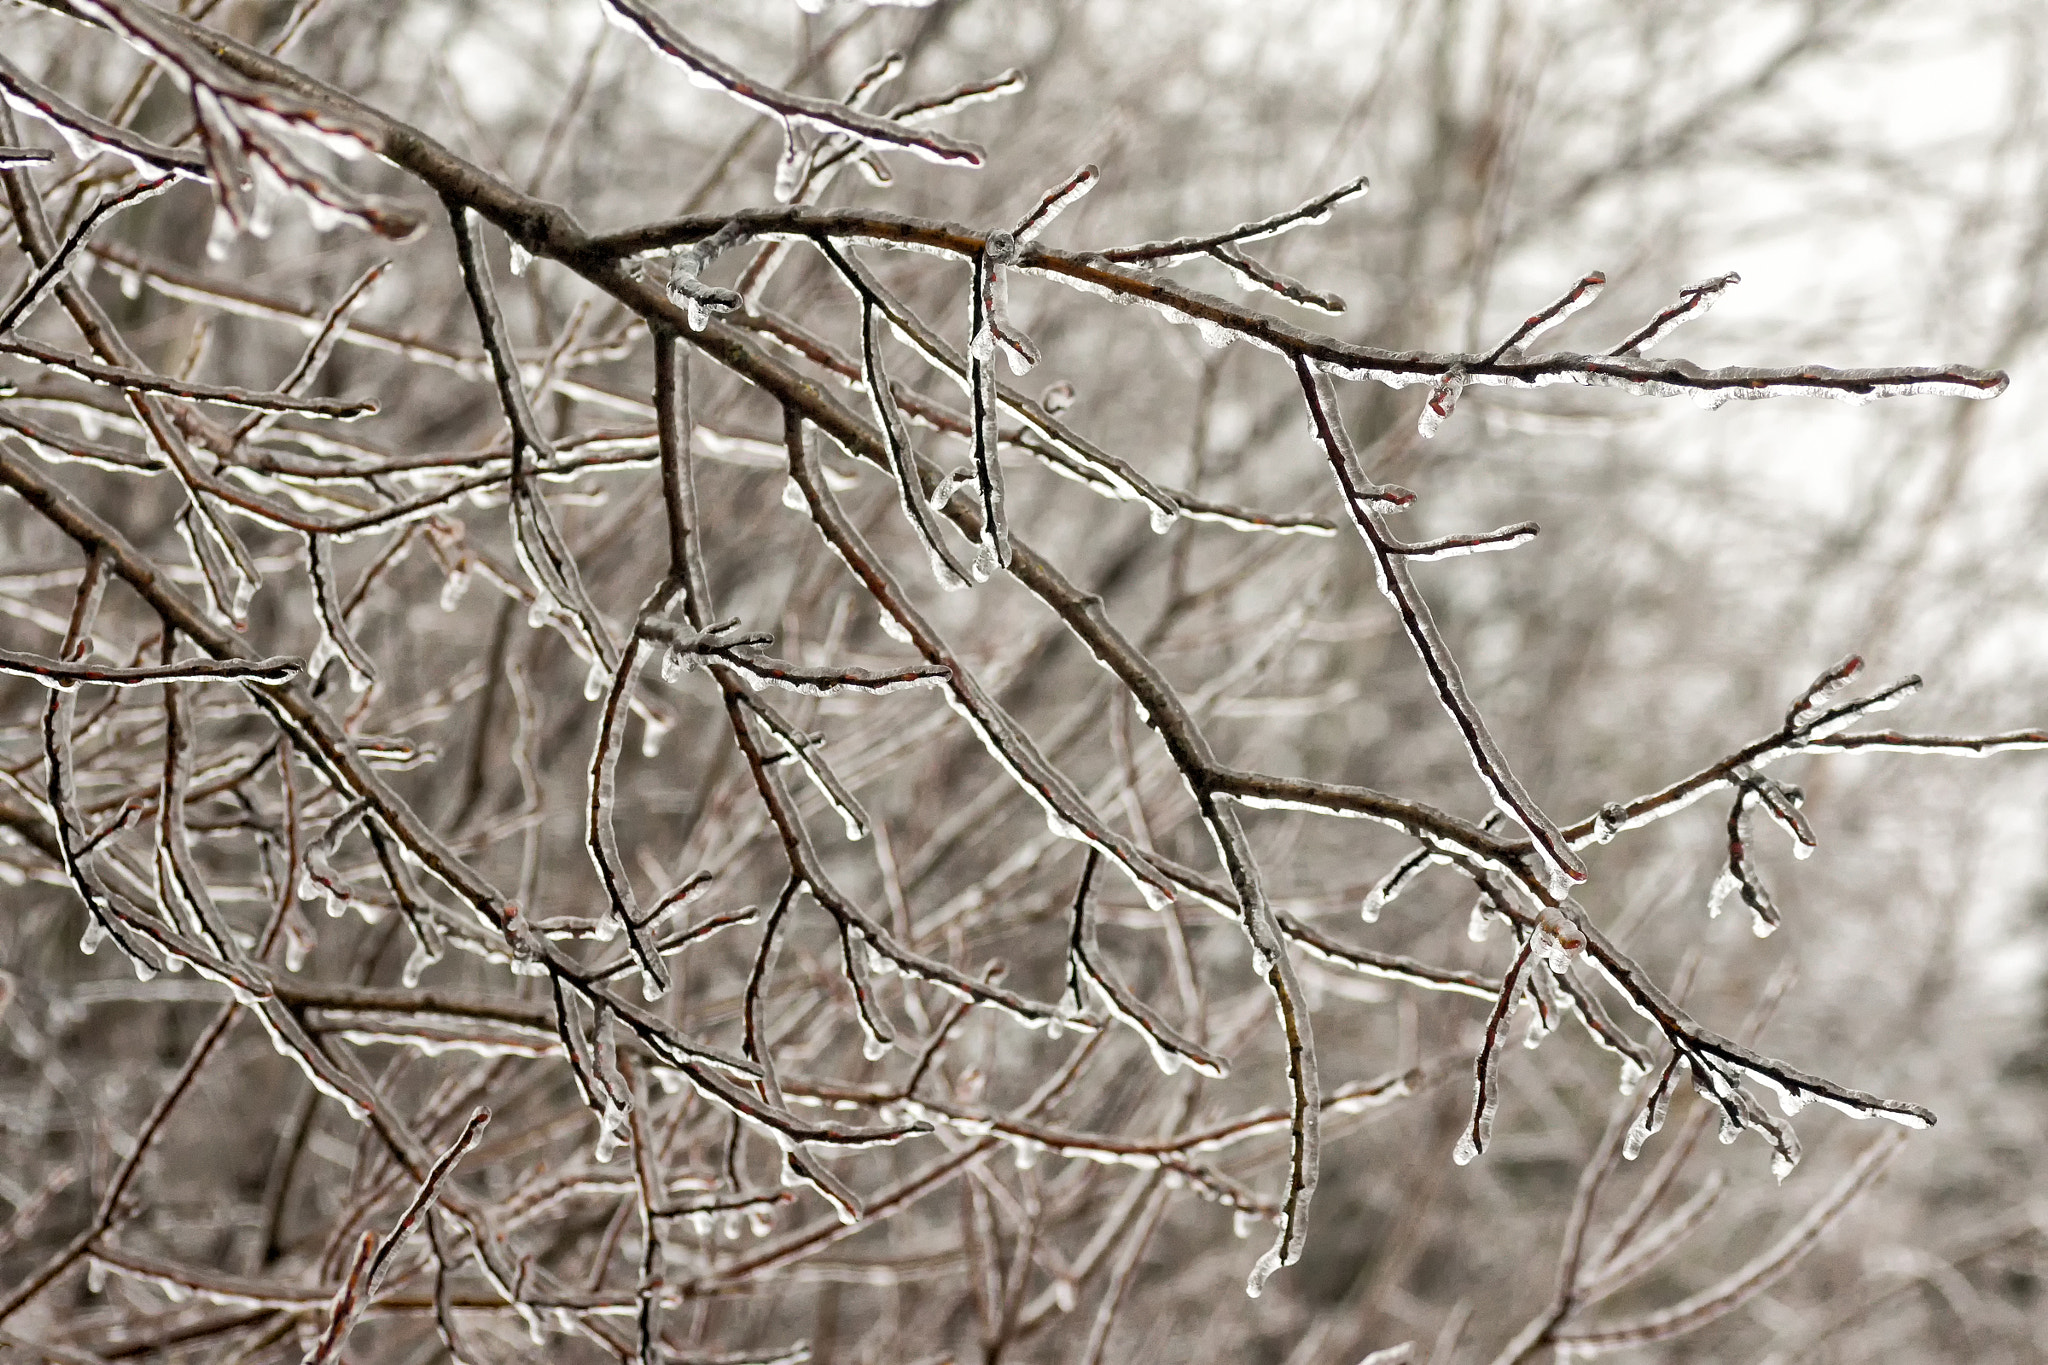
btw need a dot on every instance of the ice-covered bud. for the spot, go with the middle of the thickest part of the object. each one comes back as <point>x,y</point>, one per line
<point>1558,937</point>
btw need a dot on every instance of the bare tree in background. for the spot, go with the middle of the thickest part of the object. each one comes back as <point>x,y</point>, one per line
<point>953,936</point>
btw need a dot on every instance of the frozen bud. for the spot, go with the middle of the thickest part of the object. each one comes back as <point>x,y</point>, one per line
<point>520,937</point>
<point>1057,398</point>
<point>1558,936</point>
<point>1001,249</point>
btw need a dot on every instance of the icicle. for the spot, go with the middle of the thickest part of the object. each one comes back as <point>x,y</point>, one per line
<point>1558,938</point>
<point>298,943</point>
<point>792,167</point>
<point>221,235</point>
<point>894,628</point>
<point>238,610</point>
<point>1443,398</point>
<point>1481,923</point>
<point>95,935</point>
<point>518,257</point>
<point>949,484</point>
<point>1157,898</point>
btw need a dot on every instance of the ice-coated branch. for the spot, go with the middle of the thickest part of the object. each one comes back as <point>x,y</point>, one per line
<point>963,96</point>
<point>1959,746</point>
<point>1692,303</point>
<point>1363,499</point>
<point>336,639</point>
<point>1720,1064</point>
<point>321,345</point>
<point>546,560</point>
<point>994,551</point>
<point>950,572</point>
<point>819,682</point>
<point>1256,275</point>
<point>239,121</point>
<point>53,269</point>
<point>1457,546</point>
<point>1741,873</point>
<point>1102,470</point>
<point>87,134</point>
<point>1084,964</point>
<point>600,830</point>
<point>1316,210</point>
<point>1478,1130</point>
<point>1054,202</point>
<point>1814,724</point>
<point>640,18</point>
<point>322,486</point>
<point>142,381</point>
<point>62,676</point>
<point>1760,1274</point>
<point>1064,806</point>
<point>803,750</point>
<point>1102,274</point>
<point>1568,303</point>
<point>373,1260</point>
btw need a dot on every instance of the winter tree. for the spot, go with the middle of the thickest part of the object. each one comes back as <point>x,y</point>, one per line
<point>639,728</point>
